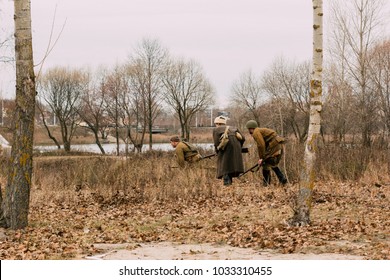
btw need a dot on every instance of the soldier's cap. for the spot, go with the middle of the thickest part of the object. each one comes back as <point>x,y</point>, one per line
<point>220,120</point>
<point>175,139</point>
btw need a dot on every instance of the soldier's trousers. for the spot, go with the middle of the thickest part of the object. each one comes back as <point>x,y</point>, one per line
<point>267,176</point>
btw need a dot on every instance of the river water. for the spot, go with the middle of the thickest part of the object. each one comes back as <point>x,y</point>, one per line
<point>111,147</point>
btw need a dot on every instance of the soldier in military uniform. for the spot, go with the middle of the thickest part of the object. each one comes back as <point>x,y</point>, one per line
<point>185,152</point>
<point>270,149</point>
<point>228,143</point>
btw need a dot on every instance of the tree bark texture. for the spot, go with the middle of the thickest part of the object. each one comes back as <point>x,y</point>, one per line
<point>17,194</point>
<point>304,197</point>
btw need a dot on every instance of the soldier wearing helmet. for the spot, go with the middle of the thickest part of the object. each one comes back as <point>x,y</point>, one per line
<point>270,150</point>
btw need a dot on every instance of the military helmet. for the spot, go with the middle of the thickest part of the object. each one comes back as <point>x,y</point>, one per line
<point>251,124</point>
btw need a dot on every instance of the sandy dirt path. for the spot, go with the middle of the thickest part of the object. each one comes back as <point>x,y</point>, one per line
<point>172,251</point>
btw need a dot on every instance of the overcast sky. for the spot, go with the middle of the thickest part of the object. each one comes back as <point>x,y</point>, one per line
<point>227,37</point>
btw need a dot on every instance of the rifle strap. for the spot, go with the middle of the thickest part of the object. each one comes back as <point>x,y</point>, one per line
<point>226,132</point>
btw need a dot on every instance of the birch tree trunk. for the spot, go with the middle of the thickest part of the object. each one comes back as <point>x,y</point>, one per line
<point>17,193</point>
<point>304,197</point>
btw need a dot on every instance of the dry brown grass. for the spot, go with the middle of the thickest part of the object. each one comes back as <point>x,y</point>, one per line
<point>77,201</point>
<point>141,178</point>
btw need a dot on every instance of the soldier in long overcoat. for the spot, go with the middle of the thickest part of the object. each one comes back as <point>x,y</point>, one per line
<point>270,149</point>
<point>229,163</point>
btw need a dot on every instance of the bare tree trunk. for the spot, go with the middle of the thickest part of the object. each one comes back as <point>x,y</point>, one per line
<point>304,196</point>
<point>47,128</point>
<point>17,194</point>
<point>3,222</point>
<point>97,142</point>
<point>116,125</point>
<point>359,22</point>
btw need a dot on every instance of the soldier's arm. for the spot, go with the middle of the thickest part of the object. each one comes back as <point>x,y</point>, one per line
<point>258,137</point>
<point>180,156</point>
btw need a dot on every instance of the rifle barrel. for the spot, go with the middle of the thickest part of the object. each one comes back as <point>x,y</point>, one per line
<point>250,169</point>
<point>209,156</point>
<point>243,150</point>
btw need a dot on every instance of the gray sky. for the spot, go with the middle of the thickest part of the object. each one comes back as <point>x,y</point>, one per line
<point>227,37</point>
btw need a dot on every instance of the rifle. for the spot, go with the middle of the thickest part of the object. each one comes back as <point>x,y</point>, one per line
<point>250,169</point>
<point>208,156</point>
<point>243,150</point>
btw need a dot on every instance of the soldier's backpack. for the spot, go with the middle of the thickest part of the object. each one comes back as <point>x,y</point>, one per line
<point>193,155</point>
<point>223,140</point>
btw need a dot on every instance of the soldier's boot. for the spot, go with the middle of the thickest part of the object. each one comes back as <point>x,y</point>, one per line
<point>280,175</point>
<point>227,180</point>
<point>266,177</point>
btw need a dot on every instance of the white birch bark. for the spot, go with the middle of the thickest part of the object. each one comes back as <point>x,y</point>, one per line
<point>304,196</point>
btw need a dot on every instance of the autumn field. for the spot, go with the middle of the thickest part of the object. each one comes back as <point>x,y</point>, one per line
<point>81,201</point>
